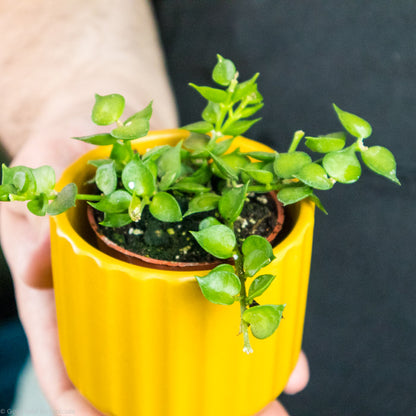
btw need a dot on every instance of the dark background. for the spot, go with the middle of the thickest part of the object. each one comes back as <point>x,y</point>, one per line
<point>360,326</point>
<point>13,344</point>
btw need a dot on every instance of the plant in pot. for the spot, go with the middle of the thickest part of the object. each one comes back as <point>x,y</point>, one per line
<point>185,222</point>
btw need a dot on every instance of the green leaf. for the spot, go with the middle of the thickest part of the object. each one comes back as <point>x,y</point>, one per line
<point>221,147</point>
<point>131,130</point>
<point>121,153</point>
<point>135,208</point>
<point>106,178</point>
<point>64,200</point>
<point>152,166</point>
<point>293,194</point>
<point>263,156</point>
<point>195,182</point>
<point>254,242</point>
<point>114,203</point>
<point>45,179</point>
<point>116,220</point>
<point>146,113</point>
<point>217,240</point>
<point>155,152</point>
<point>230,165</point>
<point>250,110</point>
<point>255,97</point>
<point>318,203</point>
<point>208,222</point>
<point>224,71</point>
<point>259,286</point>
<point>381,161</point>
<point>342,165</point>
<point>262,176</point>
<point>314,175</point>
<point>263,319</point>
<point>21,178</point>
<point>202,203</point>
<point>201,175</point>
<point>165,207</point>
<point>190,186</point>
<point>38,205</point>
<point>6,175</point>
<point>239,127</point>
<point>257,252</point>
<point>98,139</point>
<point>211,94</point>
<point>6,190</point>
<point>328,143</point>
<point>236,160</point>
<point>196,141</point>
<point>98,162</point>
<point>107,109</point>
<point>199,127</point>
<point>211,112</point>
<point>232,202</point>
<point>243,89</point>
<point>166,181</point>
<point>354,125</point>
<point>286,165</point>
<point>222,168</point>
<point>221,285</point>
<point>136,177</point>
<point>254,261</point>
<point>170,162</point>
<point>20,181</point>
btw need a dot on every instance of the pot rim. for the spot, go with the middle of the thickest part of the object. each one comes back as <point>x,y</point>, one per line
<point>301,212</point>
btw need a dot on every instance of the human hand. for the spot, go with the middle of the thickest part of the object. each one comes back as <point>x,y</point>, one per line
<point>297,382</point>
<point>25,241</point>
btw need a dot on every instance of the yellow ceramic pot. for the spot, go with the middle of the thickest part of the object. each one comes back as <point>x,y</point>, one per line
<point>144,342</point>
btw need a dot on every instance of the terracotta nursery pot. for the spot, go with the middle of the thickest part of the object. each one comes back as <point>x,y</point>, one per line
<point>110,247</point>
<point>145,342</point>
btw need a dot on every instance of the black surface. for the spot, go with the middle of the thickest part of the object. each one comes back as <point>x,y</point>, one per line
<point>360,328</point>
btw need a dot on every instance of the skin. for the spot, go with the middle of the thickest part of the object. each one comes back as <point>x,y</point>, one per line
<point>53,60</point>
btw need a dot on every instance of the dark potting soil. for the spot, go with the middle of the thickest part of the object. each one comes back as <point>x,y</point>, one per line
<point>172,241</point>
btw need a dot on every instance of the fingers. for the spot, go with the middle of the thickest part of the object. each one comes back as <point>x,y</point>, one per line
<point>38,315</point>
<point>299,377</point>
<point>26,246</point>
<point>297,382</point>
<point>71,402</point>
<point>275,408</point>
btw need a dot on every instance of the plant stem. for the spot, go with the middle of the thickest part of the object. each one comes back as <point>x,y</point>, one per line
<point>263,189</point>
<point>87,197</point>
<point>225,108</point>
<point>220,120</point>
<point>359,146</point>
<point>248,349</point>
<point>297,137</point>
<point>239,268</point>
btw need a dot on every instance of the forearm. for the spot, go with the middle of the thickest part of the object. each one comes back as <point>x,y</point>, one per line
<point>56,55</point>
